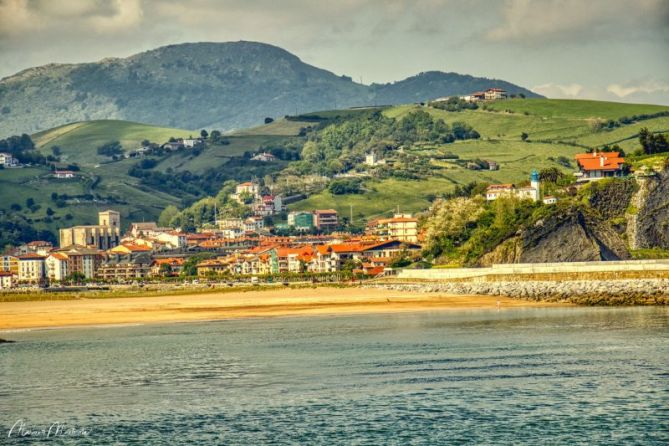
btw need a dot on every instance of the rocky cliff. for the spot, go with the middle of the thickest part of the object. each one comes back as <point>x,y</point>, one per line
<point>648,216</point>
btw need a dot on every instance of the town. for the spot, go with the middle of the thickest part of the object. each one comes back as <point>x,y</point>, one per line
<point>310,245</point>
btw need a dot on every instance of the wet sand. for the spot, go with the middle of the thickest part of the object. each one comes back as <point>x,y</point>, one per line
<point>233,305</point>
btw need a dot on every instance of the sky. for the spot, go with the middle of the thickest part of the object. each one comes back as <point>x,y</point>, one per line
<point>595,49</point>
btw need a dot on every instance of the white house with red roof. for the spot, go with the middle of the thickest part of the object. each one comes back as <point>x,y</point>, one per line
<point>598,165</point>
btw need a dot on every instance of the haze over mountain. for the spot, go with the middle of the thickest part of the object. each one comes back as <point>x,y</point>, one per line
<point>204,85</point>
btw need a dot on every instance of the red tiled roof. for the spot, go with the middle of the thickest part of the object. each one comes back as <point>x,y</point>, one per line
<point>600,161</point>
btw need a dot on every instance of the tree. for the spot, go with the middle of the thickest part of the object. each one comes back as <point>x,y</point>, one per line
<point>56,150</point>
<point>30,202</point>
<point>54,196</point>
<point>15,207</point>
<point>146,143</point>
<point>215,136</point>
<point>165,269</point>
<point>550,174</point>
<point>167,215</point>
<point>268,120</point>
<point>110,149</point>
<point>204,134</point>
<point>524,136</point>
<point>49,212</point>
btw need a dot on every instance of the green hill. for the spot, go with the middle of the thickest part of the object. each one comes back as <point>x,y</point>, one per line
<point>225,85</point>
<point>556,130</point>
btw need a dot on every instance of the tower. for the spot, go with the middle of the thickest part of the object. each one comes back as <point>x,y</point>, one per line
<point>535,183</point>
<point>110,218</point>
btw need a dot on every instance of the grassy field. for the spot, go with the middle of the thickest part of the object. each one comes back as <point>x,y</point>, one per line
<point>575,109</point>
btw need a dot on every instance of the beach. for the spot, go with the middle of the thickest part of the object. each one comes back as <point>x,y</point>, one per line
<point>234,305</point>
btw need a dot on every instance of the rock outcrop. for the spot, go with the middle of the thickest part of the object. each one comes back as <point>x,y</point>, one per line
<point>648,216</point>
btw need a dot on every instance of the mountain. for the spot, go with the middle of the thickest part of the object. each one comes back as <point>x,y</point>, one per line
<point>203,85</point>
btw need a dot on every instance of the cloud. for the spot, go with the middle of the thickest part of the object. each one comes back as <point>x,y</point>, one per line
<point>551,90</point>
<point>648,87</point>
<point>530,21</point>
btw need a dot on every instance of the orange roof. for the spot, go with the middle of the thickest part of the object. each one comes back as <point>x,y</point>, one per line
<point>325,211</point>
<point>600,161</point>
<point>135,248</point>
<point>30,256</point>
<point>39,243</point>
<point>500,186</point>
<point>169,261</point>
<point>59,255</point>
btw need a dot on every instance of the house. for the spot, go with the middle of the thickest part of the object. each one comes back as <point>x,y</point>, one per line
<point>56,266</point>
<point>326,219</point>
<point>550,199</point>
<point>148,228</point>
<point>31,268</point>
<point>402,227</point>
<point>264,157</point>
<point>82,260</point>
<point>121,267</point>
<point>300,220</point>
<point>531,192</point>
<point>173,145</point>
<point>493,165</point>
<point>253,224</point>
<point>170,266</point>
<point>492,94</point>
<point>249,189</point>
<point>212,267</point>
<point>9,264</point>
<point>63,174</point>
<point>105,235</point>
<point>598,165</point>
<point>41,247</point>
<point>192,142</point>
<point>372,159</point>
<point>7,280</point>
<point>172,239</point>
<point>129,248</point>
<point>474,97</point>
<point>7,160</point>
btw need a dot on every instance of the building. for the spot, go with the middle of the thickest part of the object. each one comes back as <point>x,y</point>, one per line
<point>550,199</point>
<point>192,142</point>
<point>598,165</point>
<point>129,248</point>
<point>172,239</point>
<point>300,220</point>
<point>326,219</point>
<point>122,267</point>
<point>142,229</point>
<point>492,94</point>
<point>105,235</point>
<point>56,266</point>
<point>402,227</point>
<point>474,97</point>
<point>170,266</point>
<point>249,190</point>
<point>264,157</point>
<point>531,192</point>
<point>63,174</point>
<point>82,260</point>
<point>10,264</point>
<point>7,280</point>
<point>7,160</point>
<point>31,268</point>
<point>372,159</point>
<point>37,246</point>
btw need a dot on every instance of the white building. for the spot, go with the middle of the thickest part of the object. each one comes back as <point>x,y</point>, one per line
<point>372,159</point>
<point>531,192</point>
<point>31,267</point>
<point>7,160</point>
<point>172,239</point>
<point>63,174</point>
<point>264,157</point>
<point>190,143</point>
<point>6,279</point>
<point>250,188</point>
<point>56,266</point>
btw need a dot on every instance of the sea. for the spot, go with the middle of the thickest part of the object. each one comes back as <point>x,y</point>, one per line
<point>535,376</point>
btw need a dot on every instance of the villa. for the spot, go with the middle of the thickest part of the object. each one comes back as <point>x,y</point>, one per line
<point>598,165</point>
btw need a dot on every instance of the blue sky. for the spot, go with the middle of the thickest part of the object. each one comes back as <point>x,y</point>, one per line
<point>600,49</point>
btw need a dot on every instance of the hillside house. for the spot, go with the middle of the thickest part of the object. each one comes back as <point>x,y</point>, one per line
<point>474,97</point>
<point>492,94</point>
<point>531,192</point>
<point>598,165</point>
<point>248,189</point>
<point>7,160</point>
<point>264,157</point>
<point>63,174</point>
<point>326,219</point>
<point>192,142</point>
<point>402,227</point>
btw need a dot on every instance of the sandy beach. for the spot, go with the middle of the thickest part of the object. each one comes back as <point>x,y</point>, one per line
<point>229,305</point>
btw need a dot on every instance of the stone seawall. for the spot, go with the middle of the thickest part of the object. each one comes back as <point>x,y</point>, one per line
<point>586,292</point>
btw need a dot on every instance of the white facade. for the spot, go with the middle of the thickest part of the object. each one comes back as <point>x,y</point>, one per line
<point>6,280</point>
<point>31,268</point>
<point>7,160</point>
<point>56,266</point>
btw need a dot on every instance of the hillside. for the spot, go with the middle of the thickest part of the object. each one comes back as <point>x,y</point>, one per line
<point>557,130</point>
<point>202,85</point>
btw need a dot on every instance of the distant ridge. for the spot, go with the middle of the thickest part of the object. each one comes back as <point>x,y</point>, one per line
<point>204,85</point>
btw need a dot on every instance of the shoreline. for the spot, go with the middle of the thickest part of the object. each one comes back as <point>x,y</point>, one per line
<point>214,306</point>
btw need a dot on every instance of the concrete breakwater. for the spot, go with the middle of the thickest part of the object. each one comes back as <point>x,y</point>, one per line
<point>587,292</point>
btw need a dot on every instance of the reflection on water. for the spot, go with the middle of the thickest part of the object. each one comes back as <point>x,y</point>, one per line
<point>554,375</point>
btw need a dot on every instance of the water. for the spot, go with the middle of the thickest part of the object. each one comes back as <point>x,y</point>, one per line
<point>527,376</point>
